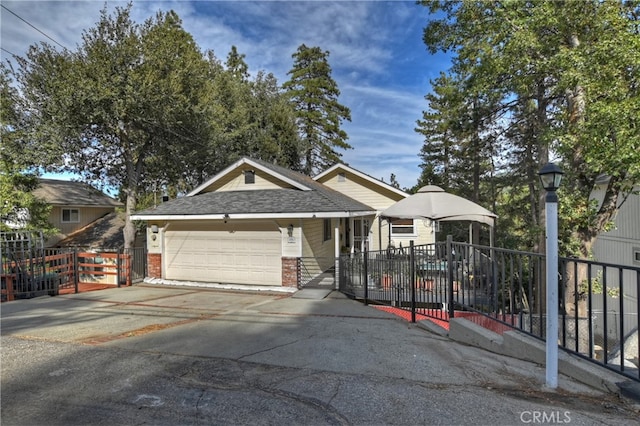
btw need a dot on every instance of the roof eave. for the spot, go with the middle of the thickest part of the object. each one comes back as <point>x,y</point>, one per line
<point>85,205</point>
<point>218,216</point>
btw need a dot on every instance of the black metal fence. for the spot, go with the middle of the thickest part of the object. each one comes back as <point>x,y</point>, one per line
<point>29,270</point>
<point>502,289</point>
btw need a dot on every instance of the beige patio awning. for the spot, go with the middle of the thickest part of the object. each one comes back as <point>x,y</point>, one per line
<point>432,202</point>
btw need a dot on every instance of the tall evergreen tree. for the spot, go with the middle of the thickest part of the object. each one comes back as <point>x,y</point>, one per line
<point>276,131</point>
<point>236,64</point>
<point>116,108</point>
<point>314,96</point>
<point>459,140</point>
<point>567,76</point>
<point>441,128</point>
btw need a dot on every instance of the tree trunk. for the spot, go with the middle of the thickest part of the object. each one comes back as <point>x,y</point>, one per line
<point>129,231</point>
<point>574,304</point>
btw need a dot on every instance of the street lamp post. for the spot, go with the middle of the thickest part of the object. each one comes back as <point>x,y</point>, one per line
<point>550,176</point>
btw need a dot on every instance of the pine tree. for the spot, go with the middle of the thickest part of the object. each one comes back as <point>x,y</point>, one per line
<point>314,96</point>
<point>566,76</point>
<point>236,64</point>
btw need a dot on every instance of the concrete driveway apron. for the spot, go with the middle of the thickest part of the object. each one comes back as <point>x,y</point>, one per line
<point>171,355</point>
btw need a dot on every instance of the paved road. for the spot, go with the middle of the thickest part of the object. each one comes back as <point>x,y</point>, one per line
<point>171,356</point>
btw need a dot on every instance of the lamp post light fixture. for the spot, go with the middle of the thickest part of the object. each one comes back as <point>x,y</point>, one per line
<point>551,176</point>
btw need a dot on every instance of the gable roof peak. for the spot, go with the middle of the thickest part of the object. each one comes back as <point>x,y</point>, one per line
<point>360,174</point>
<point>281,173</point>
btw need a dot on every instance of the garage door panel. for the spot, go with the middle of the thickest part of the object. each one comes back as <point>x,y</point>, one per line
<point>216,255</point>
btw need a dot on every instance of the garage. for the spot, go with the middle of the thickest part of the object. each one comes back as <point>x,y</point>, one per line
<point>239,252</point>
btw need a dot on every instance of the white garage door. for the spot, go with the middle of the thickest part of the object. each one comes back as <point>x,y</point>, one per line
<point>239,253</point>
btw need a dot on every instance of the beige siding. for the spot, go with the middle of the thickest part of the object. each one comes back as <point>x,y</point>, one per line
<point>379,198</point>
<point>362,190</point>
<point>86,215</point>
<point>424,235</point>
<point>234,181</point>
<point>318,255</point>
<point>312,244</point>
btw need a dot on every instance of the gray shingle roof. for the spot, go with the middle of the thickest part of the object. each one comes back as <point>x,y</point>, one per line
<point>69,193</point>
<point>320,198</point>
<point>257,202</point>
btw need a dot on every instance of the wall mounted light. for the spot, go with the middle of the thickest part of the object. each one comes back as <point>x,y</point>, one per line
<point>154,229</point>
<point>290,230</point>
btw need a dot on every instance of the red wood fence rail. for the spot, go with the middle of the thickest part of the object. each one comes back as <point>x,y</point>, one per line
<point>120,268</point>
<point>69,269</point>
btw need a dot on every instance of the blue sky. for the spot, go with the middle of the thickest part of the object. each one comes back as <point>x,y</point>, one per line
<point>377,55</point>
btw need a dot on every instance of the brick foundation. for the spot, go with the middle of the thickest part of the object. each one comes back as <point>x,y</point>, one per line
<point>154,265</point>
<point>290,272</point>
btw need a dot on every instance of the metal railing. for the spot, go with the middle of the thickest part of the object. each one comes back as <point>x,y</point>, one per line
<point>501,289</point>
<point>316,272</point>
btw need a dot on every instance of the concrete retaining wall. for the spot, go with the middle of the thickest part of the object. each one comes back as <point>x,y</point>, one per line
<point>522,346</point>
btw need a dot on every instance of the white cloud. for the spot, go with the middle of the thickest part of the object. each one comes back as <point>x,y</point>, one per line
<point>376,53</point>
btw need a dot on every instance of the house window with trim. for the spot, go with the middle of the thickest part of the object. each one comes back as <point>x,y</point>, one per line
<point>403,228</point>
<point>326,230</point>
<point>70,216</point>
<point>249,176</point>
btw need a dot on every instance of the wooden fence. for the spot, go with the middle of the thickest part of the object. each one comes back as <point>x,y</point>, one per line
<point>55,270</point>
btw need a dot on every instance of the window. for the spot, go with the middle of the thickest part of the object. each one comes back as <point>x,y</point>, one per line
<point>249,176</point>
<point>326,230</point>
<point>70,216</point>
<point>402,227</point>
<point>636,255</point>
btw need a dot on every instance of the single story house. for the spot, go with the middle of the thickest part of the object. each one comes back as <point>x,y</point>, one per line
<point>75,205</point>
<point>253,221</point>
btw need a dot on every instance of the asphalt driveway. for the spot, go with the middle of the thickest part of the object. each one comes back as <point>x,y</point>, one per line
<point>170,355</point>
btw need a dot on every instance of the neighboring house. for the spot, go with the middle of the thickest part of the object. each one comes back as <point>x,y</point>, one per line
<point>253,221</point>
<point>105,233</point>
<point>619,246</point>
<point>74,206</point>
